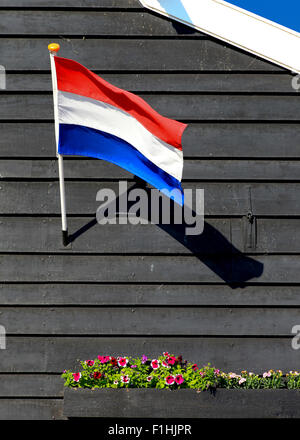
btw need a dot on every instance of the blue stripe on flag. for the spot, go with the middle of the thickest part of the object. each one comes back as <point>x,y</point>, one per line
<point>285,12</point>
<point>84,141</point>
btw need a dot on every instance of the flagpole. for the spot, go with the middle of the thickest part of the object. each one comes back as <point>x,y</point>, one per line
<point>53,49</point>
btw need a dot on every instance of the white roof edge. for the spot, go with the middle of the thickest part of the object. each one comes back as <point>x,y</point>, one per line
<point>247,31</point>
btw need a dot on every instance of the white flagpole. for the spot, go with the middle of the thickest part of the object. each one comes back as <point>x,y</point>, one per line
<point>53,49</point>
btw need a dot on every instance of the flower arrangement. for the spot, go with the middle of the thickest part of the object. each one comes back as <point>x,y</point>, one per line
<point>169,371</point>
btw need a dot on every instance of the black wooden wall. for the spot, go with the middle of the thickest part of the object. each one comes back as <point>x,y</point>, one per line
<point>229,296</point>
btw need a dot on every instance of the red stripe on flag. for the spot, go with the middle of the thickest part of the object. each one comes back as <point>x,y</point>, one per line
<point>72,77</point>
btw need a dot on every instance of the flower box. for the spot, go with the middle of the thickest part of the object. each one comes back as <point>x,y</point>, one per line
<point>183,403</point>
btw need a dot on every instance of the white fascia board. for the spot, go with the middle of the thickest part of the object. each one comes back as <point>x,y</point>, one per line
<point>234,25</point>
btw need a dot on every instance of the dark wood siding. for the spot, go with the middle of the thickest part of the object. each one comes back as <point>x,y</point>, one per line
<point>229,296</point>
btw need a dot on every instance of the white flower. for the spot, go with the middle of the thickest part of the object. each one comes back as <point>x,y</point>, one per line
<point>155,364</point>
<point>125,379</point>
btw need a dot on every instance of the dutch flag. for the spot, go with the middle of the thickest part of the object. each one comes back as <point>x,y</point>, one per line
<point>97,119</point>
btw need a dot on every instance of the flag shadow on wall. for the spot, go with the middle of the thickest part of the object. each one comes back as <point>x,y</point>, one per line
<point>211,247</point>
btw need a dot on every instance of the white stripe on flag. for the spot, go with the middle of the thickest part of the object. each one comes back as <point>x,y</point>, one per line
<point>88,112</point>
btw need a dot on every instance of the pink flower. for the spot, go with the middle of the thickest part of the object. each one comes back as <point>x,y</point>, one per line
<point>116,382</point>
<point>232,375</point>
<point>217,371</point>
<point>125,379</point>
<point>104,359</point>
<point>149,378</point>
<point>155,364</point>
<point>170,380</point>
<point>90,363</point>
<point>242,380</point>
<point>164,364</point>
<point>77,376</point>
<point>179,379</point>
<point>267,374</point>
<point>172,360</point>
<point>122,362</point>
<point>165,353</point>
<point>133,366</point>
<point>144,359</point>
<point>201,373</point>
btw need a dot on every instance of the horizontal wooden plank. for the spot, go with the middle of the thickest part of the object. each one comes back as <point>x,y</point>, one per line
<point>150,269</point>
<point>131,321</point>
<point>116,24</point>
<point>132,55</point>
<point>149,294</point>
<point>44,235</point>
<point>30,385</point>
<point>232,199</point>
<point>280,236</point>
<point>184,107</point>
<point>169,82</point>
<point>220,236</point>
<point>27,140</point>
<point>54,354</point>
<point>31,409</point>
<point>241,140</point>
<point>111,4</point>
<point>186,404</point>
<point>205,169</point>
<point>199,140</point>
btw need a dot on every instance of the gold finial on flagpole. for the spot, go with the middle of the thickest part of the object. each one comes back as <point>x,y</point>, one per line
<point>53,47</point>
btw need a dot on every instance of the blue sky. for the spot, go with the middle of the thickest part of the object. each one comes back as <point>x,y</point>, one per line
<point>284,12</point>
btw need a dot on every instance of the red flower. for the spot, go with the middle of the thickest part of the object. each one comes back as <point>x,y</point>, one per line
<point>172,360</point>
<point>77,376</point>
<point>97,375</point>
<point>103,359</point>
<point>179,379</point>
<point>155,364</point>
<point>122,362</point>
<point>90,363</point>
<point>114,361</point>
<point>194,367</point>
<point>164,364</point>
<point>170,380</point>
<point>165,353</point>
